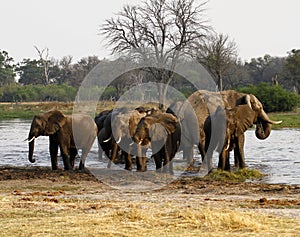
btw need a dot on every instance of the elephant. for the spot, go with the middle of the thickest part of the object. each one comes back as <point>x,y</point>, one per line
<point>58,127</point>
<point>189,128</point>
<point>205,103</point>
<point>124,127</point>
<point>115,130</point>
<point>162,130</point>
<point>104,133</point>
<point>106,141</point>
<point>227,126</point>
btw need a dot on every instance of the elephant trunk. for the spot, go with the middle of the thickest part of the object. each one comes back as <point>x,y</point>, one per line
<point>263,130</point>
<point>31,149</point>
<point>264,125</point>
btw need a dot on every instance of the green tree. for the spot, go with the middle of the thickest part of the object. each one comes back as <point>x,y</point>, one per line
<point>273,98</point>
<point>7,74</point>
<point>31,72</point>
<point>293,68</point>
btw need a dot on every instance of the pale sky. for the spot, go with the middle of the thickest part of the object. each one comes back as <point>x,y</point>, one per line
<point>68,27</point>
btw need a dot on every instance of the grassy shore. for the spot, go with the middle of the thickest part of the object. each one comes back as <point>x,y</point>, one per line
<point>29,109</point>
<point>36,201</point>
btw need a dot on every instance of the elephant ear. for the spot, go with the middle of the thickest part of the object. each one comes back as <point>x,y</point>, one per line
<point>56,120</point>
<point>245,117</point>
<point>169,122</point>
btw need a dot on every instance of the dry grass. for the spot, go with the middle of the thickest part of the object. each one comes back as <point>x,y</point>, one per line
<point>60,216</point>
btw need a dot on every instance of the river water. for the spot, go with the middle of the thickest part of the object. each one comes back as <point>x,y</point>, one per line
<point>277,156</point>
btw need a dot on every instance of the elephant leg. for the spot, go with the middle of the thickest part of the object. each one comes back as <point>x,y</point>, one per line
<point>227,161</point>
<point>188,154</point>
<point>100,151</point>
<point>73,153</point>
<point>224,160</point>
<point>85,152</point>
<point>207,161</point>
<point>167,163</point>
<point>66,161</point>
<point>114,155</point>
<point>141,163</point>
<point>158,162</point>
<point>128,162</point>
<point>239,151</point>
<point>64,150</point>
<point>53,147</point>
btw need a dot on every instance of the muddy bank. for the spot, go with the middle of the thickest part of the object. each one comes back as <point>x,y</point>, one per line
<point>36,201</point>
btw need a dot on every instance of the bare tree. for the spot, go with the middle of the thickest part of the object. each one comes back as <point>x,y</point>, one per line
<point>44,58</point>
<point>217,54</point>
<point>157,31</point>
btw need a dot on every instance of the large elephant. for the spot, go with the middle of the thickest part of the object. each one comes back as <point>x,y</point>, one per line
<point>162,130</point>
<point>58,127</point>
<point>227,126</point>
<point>205,103</point>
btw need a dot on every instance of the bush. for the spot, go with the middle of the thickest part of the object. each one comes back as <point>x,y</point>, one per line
<point>273,98</point>
<point>19,93</point>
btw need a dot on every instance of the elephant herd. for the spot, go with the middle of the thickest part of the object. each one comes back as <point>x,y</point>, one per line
<point>212,121</point>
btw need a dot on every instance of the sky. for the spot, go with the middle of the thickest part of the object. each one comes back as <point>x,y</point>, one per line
<point>68,27</point>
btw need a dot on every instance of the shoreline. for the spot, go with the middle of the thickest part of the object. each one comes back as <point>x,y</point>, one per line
<point>26,110</point>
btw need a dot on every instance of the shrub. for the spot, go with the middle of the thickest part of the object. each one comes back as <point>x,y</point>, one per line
<point>19,93</point>
<point>273,98</point>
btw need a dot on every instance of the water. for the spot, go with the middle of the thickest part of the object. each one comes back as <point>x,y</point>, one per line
<point>277,156</point>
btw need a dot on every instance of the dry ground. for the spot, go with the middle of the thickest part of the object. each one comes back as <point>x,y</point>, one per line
<point>36,201</point>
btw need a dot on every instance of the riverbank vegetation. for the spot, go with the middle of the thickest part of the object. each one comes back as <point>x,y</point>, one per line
<point>27,110</point>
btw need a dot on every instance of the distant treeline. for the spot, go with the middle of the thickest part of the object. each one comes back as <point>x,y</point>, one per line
<point>274,80</point>
<point>274,98</point>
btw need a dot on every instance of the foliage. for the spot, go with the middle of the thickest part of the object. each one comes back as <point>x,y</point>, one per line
<point>7,74</point>
<point>240,175</point>
<point>293,67</point>
<point>273,98</point>
<point>18,93</point>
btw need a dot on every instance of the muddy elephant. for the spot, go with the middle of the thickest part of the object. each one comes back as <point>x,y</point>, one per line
<point>58,127</point>
<point>162,130</point>
<point>205,103</point>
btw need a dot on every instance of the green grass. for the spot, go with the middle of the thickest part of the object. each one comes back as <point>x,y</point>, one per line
<point>290,120</point>
<point>240,175</point>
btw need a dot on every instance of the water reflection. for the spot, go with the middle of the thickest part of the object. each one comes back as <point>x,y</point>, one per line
<point>276,156</point>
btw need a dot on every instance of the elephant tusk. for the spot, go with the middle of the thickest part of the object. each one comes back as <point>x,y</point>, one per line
<point>119,140</point>
<point>140,142</point>
<point>107,140</point>
<point>33,138</point>
<point>227,148</point>
<point>248,101</point>
<point>131,144</point>
<point>276,122</point>
<point>228,145</point>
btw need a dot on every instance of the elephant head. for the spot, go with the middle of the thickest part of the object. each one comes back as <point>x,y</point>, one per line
<point>262,121</point>
<point>155,127</point>
<point>45,124</point>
